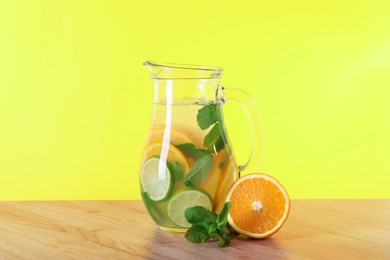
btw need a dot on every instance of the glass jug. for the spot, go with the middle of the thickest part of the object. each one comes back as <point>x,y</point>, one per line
<point>188,158</point>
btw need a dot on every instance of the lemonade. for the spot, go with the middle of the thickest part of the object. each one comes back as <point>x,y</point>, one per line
<point>187,161</point>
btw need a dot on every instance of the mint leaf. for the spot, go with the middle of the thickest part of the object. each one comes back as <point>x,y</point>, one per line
<point>199,214</point>
<point>190,150</point>
<point>197,234</point>
<point>214,140</point>
<point>176,170</point>
<point>223,215</point>
<point>199,170</point>
<point>207,116</point>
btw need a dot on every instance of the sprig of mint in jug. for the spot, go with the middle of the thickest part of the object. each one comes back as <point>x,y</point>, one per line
<point>207,116</point>
<point>207,225</point>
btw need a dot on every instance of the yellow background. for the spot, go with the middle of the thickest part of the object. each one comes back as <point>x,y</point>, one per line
<point>75,101</point>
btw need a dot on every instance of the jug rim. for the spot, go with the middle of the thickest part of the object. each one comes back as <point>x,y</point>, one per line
<point>208,72</point>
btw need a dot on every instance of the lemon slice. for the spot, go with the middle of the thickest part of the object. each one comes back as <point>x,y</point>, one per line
<point>186,198</point>
<point>158,186</point>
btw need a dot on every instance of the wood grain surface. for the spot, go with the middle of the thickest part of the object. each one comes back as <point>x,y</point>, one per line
<point>315,229</point>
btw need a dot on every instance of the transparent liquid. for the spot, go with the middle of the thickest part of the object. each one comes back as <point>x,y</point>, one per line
<point>173,125</point>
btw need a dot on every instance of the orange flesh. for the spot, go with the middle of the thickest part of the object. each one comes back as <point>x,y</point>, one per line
<point>250,191</point>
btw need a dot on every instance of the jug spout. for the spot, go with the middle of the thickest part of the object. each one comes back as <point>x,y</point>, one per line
<point>159,70</point>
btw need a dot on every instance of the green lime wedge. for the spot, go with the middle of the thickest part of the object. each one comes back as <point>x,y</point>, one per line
<point>183,199</point>
<point>157,184</point>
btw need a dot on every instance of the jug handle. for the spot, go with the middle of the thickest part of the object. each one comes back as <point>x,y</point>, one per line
<point>247,104</point>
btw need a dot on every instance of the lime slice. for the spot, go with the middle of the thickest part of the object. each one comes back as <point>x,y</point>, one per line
<point>183,199</point>
<point>158,186</point>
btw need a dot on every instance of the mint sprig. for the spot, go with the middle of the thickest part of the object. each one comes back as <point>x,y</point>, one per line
<point>207,225</point>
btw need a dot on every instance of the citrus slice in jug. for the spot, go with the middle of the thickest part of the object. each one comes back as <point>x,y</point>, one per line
<point>158,184</point>
<point>186,198</point>
<point>173,154</point>
<point>184,134</point>
<point>260,205</point>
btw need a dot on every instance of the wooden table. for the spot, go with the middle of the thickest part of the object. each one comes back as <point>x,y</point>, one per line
<point>315,229</point>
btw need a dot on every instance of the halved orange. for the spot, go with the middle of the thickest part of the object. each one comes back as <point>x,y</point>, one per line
<point>260,205</point>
